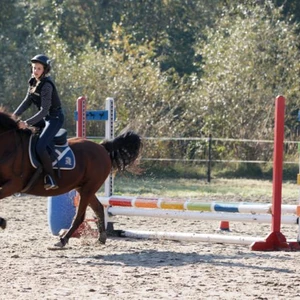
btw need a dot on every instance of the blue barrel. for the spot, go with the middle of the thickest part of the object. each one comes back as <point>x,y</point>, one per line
<point>61,211</point>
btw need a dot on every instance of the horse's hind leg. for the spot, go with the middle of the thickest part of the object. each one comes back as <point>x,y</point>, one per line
<point>98,209</point>
<point>78,219</point>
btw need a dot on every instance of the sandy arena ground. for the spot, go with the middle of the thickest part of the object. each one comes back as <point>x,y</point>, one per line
<point>138,269</point>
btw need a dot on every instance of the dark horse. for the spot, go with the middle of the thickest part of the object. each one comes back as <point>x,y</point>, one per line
<point>94,162</point>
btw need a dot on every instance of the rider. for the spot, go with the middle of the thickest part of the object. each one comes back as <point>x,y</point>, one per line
<point>43,94</point>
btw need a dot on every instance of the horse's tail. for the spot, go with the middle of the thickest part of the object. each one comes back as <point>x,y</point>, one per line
<point>123,150</point>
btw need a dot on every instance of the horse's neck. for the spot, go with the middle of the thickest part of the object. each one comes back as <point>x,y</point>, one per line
<point>14,139</point>
<point>5,132</point>
<point>9,144</point>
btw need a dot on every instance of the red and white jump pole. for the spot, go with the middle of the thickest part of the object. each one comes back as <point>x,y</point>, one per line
<point>81,121</point>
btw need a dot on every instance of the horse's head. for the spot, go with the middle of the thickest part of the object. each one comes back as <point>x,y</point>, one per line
<point>7,121</point>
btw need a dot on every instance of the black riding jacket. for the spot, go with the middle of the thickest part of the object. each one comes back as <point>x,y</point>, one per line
<point>44,96</point>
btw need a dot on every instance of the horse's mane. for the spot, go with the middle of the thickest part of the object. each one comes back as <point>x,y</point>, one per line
<point>7,121</point>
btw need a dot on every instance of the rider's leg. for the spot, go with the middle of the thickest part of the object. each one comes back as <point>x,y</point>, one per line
<point>45,138</point>
<point>49,179</point>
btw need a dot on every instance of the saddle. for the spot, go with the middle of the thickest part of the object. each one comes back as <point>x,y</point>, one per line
<point>61,154</point>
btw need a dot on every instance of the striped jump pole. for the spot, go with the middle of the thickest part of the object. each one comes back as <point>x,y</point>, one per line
<point>197,215</point>
<point>195,205</point>
<point>194,210</point>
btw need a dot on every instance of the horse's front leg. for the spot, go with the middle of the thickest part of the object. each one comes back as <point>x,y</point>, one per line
<point>7,188</point>
<point>98,209</point>
<point>2,223</point>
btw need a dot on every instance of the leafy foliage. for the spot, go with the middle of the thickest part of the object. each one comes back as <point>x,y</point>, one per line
<point>250,57</point>
<point>175,67</point>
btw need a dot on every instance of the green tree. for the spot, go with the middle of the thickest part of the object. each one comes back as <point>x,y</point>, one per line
<point>249,58</point>
<point>12,44</point>
<point>170,25</point>
<point>291,9</point>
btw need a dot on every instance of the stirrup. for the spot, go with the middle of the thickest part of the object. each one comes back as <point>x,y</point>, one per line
<point>49,183</point>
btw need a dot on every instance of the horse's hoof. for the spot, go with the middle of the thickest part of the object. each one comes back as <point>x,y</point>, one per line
<point>102,238</point>
<point>57,246</point>
<point>60,245</point>
<point>2,223</point>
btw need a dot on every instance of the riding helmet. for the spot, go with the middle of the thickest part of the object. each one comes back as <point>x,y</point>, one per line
<point>44,60</point>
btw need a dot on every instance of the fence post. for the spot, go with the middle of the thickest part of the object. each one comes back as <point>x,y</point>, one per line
<point>209,159</point>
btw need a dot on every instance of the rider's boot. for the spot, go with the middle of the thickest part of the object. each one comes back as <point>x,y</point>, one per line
<point>49,181</point>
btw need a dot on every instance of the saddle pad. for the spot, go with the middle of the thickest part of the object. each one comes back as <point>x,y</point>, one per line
<point>65,158</point>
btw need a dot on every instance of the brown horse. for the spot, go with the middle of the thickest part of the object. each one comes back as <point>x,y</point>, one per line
<point>94,162</point>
